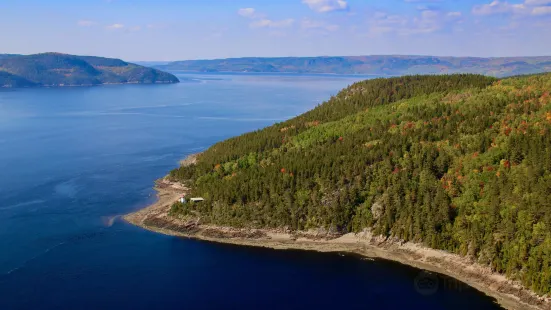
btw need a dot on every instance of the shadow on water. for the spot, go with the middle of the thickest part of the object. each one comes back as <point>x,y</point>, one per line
<point>326,280</point>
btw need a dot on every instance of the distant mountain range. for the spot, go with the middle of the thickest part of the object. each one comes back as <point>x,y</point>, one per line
<point>371,65</point>
<point>54,69</point>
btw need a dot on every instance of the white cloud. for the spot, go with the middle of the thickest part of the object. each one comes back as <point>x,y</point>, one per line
<point>268,23</point>
<point>454,14</point>
<point>498,7</point>
<point>428,21</point>
<point>383,23</point>
<point>318,25</point>
<point>528,7</point>
<point>247,12</point>
<point>428,14</point>
<point>323,6</point>
<point>261,21</point>
<point>537,2</point>
<point>85,23</point>
<point>115,26</point>
<point>541,10</point>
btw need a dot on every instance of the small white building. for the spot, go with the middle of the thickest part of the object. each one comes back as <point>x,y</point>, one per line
<point>182,199</point>
<point>197,199</point>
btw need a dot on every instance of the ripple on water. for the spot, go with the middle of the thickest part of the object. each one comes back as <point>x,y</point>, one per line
<point>68,189</point>
<point>23,204</point>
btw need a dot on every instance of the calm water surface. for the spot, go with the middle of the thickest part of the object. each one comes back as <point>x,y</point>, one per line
<point>72,158</point>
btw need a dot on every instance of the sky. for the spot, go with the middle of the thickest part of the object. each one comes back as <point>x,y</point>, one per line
<point>164,30</point>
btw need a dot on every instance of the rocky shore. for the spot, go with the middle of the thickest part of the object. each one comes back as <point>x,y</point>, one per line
<point>508,294</point>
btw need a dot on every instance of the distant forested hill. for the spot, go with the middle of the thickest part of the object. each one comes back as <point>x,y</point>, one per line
<point>460,163</point>
<point>8,55</point>
<point>53,69</point>
<point>375,65</point>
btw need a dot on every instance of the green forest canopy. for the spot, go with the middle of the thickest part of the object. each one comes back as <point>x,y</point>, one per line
<point>458,162</point>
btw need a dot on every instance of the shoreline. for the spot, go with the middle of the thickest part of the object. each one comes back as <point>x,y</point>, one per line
<point>87,85</point>
<point>509,294</point>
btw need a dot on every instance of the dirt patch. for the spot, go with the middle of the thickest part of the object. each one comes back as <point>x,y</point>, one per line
<point>221,234</point>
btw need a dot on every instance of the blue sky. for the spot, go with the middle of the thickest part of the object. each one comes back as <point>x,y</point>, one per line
<point>202,29</point>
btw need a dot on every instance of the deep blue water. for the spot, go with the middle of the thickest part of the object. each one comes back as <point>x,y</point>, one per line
<point>72,158</point>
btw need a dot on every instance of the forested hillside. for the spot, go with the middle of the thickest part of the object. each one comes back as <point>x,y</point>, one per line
<point>54,69</point>
<point>10,80</point>
<point>460,163</point>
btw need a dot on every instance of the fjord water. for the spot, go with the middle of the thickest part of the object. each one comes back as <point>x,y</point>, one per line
<point>72,159</point>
